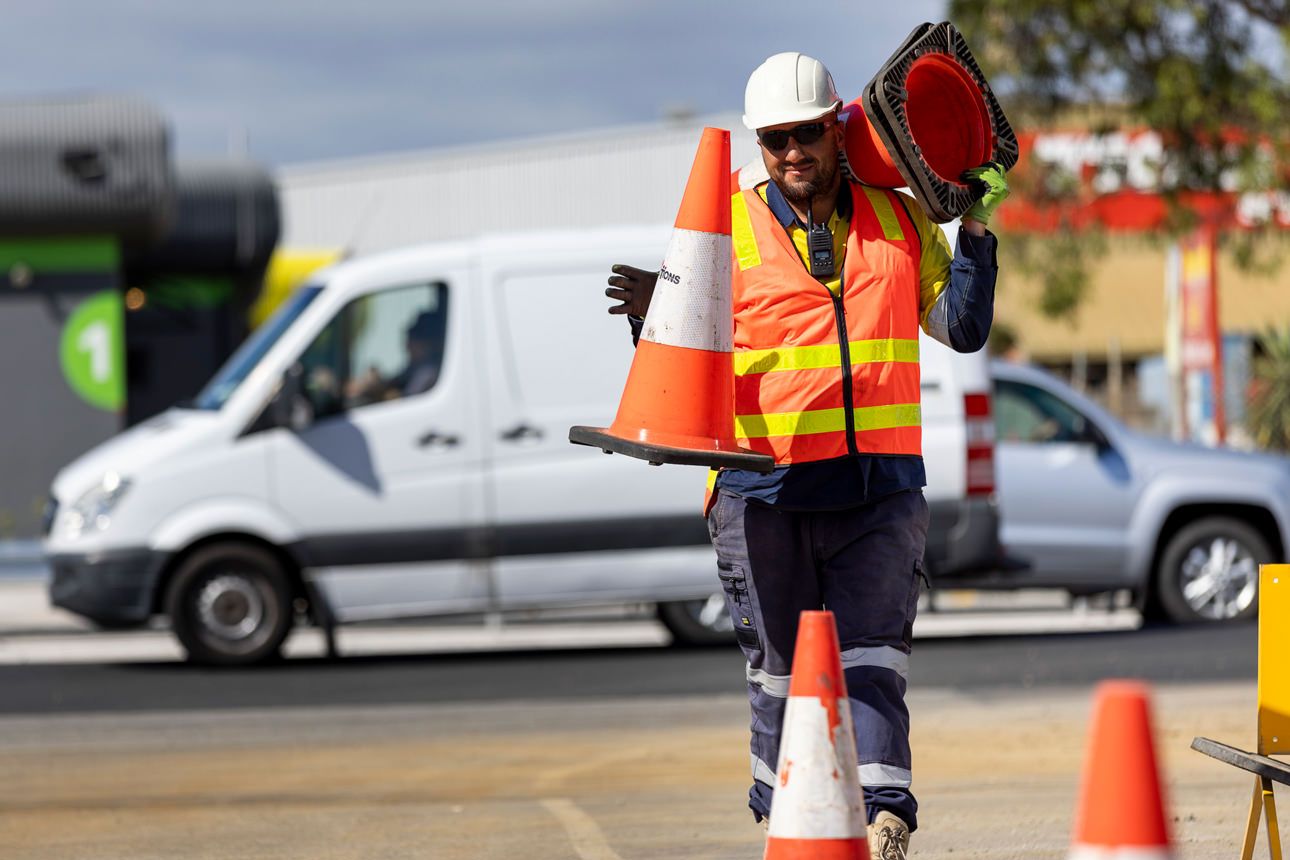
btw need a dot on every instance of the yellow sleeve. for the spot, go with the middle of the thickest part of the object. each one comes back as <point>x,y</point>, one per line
<point>934,266</point>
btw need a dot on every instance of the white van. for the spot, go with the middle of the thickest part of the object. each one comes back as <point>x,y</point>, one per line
<point>334,468</point>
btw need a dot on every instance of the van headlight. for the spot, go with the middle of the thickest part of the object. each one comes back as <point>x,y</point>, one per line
<point>93,510</point>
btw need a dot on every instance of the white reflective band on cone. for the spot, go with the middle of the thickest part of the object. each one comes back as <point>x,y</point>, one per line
<point>1120,852</point>
<point>817,798</point>
<point>774,685</point>
<point>884,657</point>
<point>875,774</point>
<point>691,306</point>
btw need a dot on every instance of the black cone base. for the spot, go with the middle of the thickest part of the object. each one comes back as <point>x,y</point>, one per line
<point>599,437</point>
<point>1253,762</point>
<point>885,102</point>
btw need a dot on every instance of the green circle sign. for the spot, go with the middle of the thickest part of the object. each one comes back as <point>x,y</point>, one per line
<point>92,351</point>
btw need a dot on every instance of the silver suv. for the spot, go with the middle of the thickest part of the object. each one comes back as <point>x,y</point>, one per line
<point>1094,506</point>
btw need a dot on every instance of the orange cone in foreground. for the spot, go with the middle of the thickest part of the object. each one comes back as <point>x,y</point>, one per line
<point>817,811</point>
<point>1121,809</point>
<point>679,402</point>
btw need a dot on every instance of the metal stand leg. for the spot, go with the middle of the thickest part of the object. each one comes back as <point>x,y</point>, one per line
<point>1270,813</point>
<point>1252,825</point>
<point>322,616</point>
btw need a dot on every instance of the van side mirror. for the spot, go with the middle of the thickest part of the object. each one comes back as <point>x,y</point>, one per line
<point>290,408</point>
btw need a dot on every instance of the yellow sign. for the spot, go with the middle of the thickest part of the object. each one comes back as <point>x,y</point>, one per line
<point>1274,659</point>
<point>288,269</point>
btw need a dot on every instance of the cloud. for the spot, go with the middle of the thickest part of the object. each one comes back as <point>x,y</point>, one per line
<point>309,80</point>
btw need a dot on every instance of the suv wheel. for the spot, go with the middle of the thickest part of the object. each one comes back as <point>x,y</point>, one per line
<point>1209,571</point>
<point>230,604</point>
<point>698,622</point>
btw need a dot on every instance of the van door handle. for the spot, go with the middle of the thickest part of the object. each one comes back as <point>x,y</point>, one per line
<point>522,433</point>
<point>436,440</point>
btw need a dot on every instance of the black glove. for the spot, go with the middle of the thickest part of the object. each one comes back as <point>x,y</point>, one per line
<point>633,287</point>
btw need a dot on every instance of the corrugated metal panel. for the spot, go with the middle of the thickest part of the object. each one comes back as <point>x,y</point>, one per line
<point>629,175</point>
<point>95,165</point>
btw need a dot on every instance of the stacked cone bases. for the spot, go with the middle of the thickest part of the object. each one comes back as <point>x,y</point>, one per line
<point>817,811</point>
<point>679,404</point>
<point>1121,807</point>
<point>927,116</point>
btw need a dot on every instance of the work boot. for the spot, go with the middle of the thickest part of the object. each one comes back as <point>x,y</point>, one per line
<point>888,837</point>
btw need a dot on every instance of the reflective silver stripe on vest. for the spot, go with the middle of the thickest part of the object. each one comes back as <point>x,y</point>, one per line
<point>761,771</point>
<point>773,685</point>
<point>876,774</point>
<point>884,657</point>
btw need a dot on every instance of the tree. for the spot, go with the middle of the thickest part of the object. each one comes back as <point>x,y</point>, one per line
<point>1209,75</point>
<point>1269,411</point>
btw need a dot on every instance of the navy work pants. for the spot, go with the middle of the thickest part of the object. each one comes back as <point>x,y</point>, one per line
<point>864,564</point>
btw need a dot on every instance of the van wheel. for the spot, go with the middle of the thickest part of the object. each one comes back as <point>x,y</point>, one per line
<point>230,605</point>
<point>698,622</point>
<point>1209,571</point>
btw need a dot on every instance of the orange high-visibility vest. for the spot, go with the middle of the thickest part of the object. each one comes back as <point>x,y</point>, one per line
<point>803,390</point>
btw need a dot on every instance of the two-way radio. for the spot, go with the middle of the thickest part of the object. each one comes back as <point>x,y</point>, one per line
<point>819,246</point>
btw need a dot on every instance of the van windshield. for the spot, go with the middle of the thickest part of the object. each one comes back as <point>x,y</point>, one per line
<point>248,355</point>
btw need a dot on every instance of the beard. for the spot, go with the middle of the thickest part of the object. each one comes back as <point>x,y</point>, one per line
<point>801,193</point>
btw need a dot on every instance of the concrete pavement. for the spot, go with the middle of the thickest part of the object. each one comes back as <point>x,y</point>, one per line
<point>603,779</point>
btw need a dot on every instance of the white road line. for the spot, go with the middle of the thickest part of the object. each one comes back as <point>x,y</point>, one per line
<point>153,645</point>
<point>583,831</point>
<point>159,645</point>
<point>554,778</point>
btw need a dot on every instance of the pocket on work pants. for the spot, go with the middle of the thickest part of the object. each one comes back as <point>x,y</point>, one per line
<point>735,584</point>
<point>917,579</point>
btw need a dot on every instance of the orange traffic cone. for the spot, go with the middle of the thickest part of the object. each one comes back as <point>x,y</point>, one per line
<point>927,116</point>
<point>817,811</point>
<point>1121,809</point>
<point>679,402</point>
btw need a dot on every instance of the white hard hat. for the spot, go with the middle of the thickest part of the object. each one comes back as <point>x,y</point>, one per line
<point>789,87</point>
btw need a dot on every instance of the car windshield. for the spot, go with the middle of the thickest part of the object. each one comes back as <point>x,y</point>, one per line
<point>248,355</point>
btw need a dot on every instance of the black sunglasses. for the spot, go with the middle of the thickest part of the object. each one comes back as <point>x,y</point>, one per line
<point>806,134</point>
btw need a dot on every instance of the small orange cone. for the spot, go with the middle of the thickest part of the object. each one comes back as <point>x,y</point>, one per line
<point>817,811</point>
<point>679,402</point>
<point>1121,808</point>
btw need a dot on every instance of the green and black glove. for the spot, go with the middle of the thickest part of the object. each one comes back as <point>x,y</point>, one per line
<point>995,183</point>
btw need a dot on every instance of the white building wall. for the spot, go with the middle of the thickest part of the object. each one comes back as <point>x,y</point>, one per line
<point>627,175</point>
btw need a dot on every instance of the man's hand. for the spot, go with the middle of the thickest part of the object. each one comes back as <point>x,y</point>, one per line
<point>633,287</point>
<point>367,385</point>
<point>990,179</point>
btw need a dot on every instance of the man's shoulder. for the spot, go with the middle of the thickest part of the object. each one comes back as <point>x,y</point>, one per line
<point>912,207</point>
<point>881,189</point>
<point>752,175</point>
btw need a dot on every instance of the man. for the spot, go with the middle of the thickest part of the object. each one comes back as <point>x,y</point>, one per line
<point>424,345</point>
<point>841,523</point>
<point>425,354</point>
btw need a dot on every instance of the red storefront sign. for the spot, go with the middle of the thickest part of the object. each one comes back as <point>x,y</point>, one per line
<point>1077,180</point>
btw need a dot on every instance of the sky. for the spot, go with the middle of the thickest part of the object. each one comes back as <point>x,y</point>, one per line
<point>295,81</point>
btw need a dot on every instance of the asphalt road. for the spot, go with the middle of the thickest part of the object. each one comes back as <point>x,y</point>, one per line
<point>1197,654</point>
